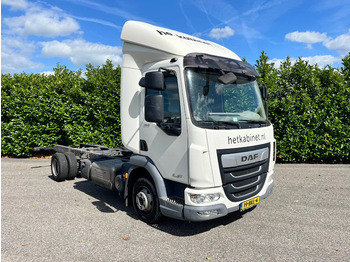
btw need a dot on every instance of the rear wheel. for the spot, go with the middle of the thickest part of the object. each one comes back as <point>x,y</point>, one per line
<point>72,165</point>
<point>59,167</point>
<point>145,201</point>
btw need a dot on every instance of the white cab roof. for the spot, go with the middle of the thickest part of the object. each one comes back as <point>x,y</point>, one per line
<point>170,41</point>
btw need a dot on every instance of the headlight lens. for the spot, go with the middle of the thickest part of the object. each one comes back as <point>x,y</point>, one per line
<point>204,198</point>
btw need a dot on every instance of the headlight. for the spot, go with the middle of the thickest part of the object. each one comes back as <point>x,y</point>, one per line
<point>204,198</point>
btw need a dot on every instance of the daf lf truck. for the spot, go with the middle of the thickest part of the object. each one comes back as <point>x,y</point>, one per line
<point>197,141</point>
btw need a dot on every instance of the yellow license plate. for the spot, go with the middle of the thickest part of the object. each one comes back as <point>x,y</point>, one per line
<point>249,203</point>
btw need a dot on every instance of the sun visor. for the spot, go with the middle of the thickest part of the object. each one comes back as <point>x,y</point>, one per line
<point>217,62</point>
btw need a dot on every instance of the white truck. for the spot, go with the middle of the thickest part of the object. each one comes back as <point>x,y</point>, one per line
<point>197,141</point>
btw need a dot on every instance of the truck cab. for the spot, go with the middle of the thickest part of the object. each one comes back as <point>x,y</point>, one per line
<point>195,120</point>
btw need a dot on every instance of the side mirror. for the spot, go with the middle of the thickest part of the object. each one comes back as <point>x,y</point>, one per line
<point>263,91</point>
<point>154,108</point>
<point>153,80</point>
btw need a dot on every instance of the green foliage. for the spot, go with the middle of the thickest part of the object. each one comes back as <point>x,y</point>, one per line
<point>310,110</point>
<point>238,99</point>
<point>64,108</point>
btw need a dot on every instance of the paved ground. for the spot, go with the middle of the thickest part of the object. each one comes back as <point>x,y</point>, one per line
<point>306,219</point>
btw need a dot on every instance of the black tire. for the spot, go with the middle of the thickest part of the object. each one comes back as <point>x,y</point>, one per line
<point>59,167</point>
<point>146,201</point>
<point>72,165</point>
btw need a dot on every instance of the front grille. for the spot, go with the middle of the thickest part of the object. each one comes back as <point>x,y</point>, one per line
<point>243,180</point>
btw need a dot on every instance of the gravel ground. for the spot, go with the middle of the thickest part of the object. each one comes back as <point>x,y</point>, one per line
<point>307,218</point>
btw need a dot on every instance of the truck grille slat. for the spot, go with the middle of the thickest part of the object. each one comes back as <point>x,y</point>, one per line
<point>246,183</point>
<point>246,171</point>
<point>246,192</point>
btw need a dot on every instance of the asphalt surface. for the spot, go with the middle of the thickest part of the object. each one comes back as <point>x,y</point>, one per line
<point>307,218</point>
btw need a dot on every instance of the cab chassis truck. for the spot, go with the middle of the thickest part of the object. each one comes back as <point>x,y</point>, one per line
<point>197,141</point>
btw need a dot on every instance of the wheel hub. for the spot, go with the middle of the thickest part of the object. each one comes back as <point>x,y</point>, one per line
<point>144,200</point>
<point>55,168</point>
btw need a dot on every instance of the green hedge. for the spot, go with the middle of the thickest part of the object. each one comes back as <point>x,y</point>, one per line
<point>309,107</point>
<point>66,108</point>
<point>310,110</point>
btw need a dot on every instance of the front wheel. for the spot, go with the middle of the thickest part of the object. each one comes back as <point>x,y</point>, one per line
<point>145,201</point>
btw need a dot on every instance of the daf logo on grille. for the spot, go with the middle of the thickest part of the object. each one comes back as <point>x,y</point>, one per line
<point>249,157</point>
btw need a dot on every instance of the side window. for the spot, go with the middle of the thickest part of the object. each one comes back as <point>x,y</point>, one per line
<point>171,100</point>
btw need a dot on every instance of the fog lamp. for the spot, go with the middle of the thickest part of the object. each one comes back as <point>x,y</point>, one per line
<point>214,212</point>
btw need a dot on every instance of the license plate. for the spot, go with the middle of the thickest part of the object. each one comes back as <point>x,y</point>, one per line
<point>249,203</point>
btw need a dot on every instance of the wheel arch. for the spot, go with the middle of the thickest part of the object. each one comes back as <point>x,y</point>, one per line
<point>144,167</point>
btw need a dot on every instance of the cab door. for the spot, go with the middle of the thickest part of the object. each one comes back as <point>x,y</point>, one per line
<point>166,142</point>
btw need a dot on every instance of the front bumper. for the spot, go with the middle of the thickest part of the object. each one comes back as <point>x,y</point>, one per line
<point>203,213</point>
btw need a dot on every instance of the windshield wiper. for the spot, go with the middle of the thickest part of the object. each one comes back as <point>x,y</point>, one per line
<point>228,123</point>
<point>218,124</point>
<point>260,122</point>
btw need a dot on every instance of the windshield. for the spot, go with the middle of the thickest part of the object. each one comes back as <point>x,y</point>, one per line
<point>238,104</point>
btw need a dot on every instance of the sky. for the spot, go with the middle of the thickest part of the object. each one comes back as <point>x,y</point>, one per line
<point>37,35</point>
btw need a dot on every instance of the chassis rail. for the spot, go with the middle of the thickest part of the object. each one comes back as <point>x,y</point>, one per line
<point>93,150</point>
